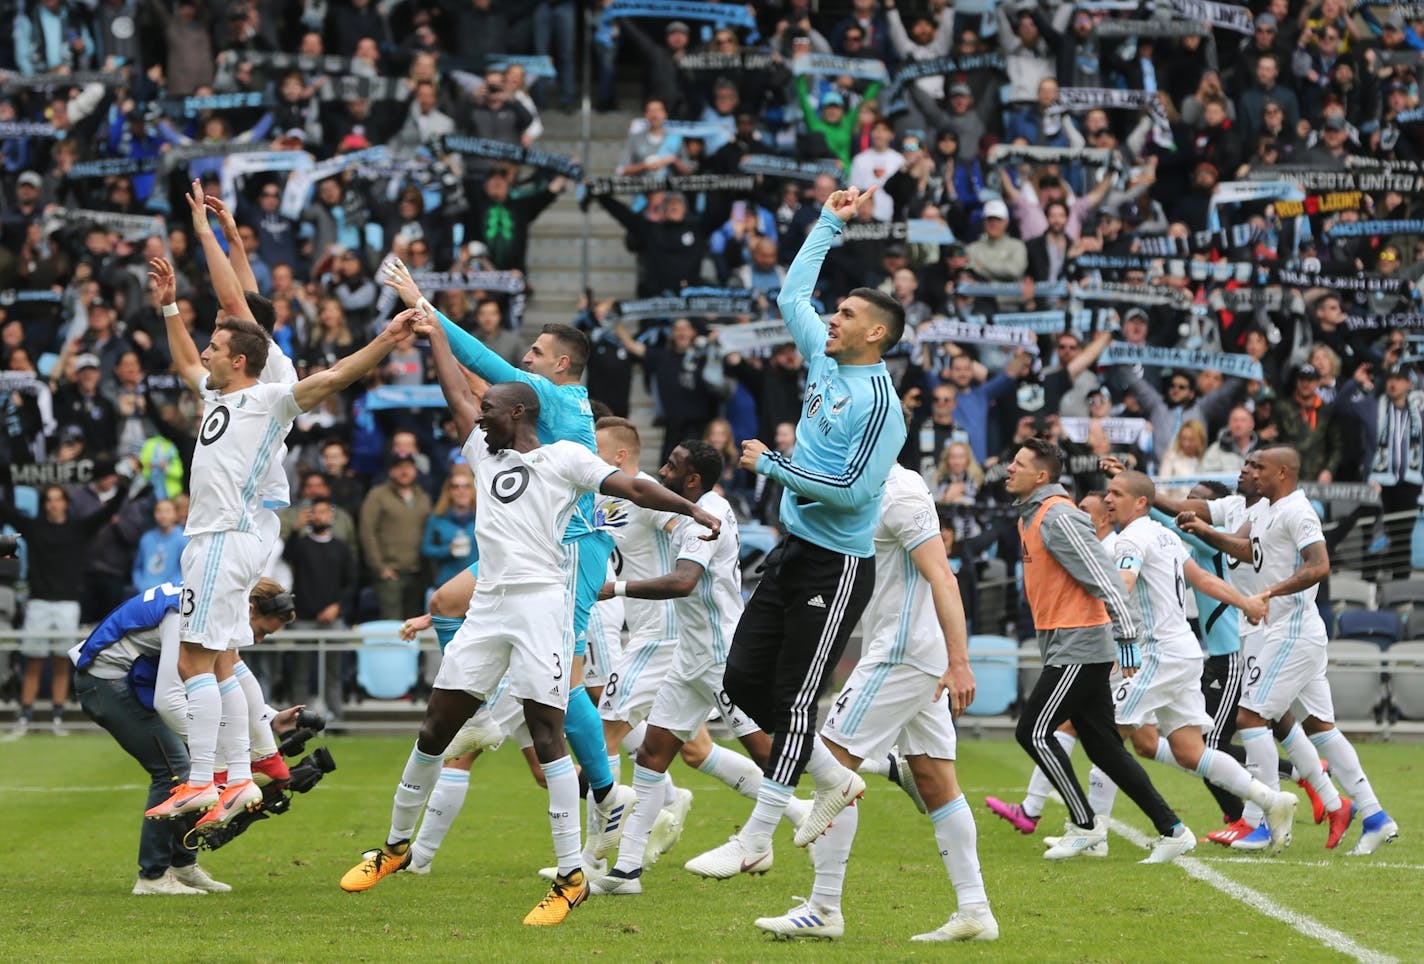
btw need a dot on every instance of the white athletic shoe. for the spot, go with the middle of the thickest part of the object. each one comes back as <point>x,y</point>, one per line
<point>610,817</point>
<point>421,869</point>
<point>1280,815</point>
<point>806,919</point>
<point>167,885</point>
<point>905,780</point>
<point>198,878</point>
<point>1372,840</point>
<point>1096,850</point>
<point>970,924</point>
<point>1076,840</point>
<point>826,803</point>
<point>591,871</point>
<point>1168,849</point>
<point>667,829</point>
<point>732,858</point>
<point>615,886</point>
<point>480,732</point>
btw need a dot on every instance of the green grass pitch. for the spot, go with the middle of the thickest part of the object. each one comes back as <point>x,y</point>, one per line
<point>71,812</point>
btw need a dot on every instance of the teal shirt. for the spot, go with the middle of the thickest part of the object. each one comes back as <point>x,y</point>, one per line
<point>1220,623</point>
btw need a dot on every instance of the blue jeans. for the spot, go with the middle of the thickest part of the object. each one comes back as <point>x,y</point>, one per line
<point>145,737</point>
<point>554,26</point>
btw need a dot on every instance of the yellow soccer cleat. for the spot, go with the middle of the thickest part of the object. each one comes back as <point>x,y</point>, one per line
<point>566,894</point>
<point>377,864</point>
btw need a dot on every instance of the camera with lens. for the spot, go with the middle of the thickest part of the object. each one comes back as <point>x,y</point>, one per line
<point>9,545</point>
<point>309,724</point>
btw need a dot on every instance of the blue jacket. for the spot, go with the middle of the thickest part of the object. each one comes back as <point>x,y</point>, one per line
<point>440,532</point>
<point>850,430</point>
<point>157,559</point>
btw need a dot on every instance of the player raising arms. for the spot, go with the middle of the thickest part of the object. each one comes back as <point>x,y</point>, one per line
<point>244,424</point>
<point>517,622</point>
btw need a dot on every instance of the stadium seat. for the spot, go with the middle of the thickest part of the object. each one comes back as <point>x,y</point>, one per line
<point>386,665</point>
<point>1030,669</point>
<point>1404,596</point>
<point>1355,687</point>
<point>1350,591</point>
<point>996,676</point>
<point>26,500</point>
<point>1406,683</point>
<point>1380,627</point>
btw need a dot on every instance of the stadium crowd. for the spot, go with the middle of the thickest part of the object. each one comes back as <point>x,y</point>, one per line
<point>1166,232</point>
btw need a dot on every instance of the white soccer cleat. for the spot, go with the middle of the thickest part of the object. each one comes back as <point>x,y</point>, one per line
<point>806,919</point>
<point>609,819</point>
<point>1376,834</point>
<point>826,803</point>
<point>480,732</point>
<point>1280,815</point>
<point>970,924</point>
<point>905,780</point>
<point>616,885</point>
<point>1096,850</point>
<point>591,871</point>
<point>167,886</point>
<point>1168,849</point>
<point>1077,840</point>
<point>732,858</point>
<point>199,879</point>
<point>667,829</point>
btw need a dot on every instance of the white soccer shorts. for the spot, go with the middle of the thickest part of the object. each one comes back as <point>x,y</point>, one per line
<point>631,689</point>
<point>883,704</point>
<point>605,642</point>
<point>690,693</point>
<point>525,632</point>
<point>219,571</point>
<point>1286,670</point>
<point>1164,691</point>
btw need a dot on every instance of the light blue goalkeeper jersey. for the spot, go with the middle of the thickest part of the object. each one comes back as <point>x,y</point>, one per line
<point>850,431</point>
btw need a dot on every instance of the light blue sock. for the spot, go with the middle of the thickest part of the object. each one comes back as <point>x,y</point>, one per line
<point>445,628</point>
<point>584,731</point>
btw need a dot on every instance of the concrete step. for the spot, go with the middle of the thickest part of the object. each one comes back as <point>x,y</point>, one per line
<point>566,254</point>
<point>564,218</point>
<point>603,127</point>
<point>568,285</point>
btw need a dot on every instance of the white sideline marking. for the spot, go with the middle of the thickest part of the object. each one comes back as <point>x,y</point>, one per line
<point>1309,863</point>
<point>1311,928</point>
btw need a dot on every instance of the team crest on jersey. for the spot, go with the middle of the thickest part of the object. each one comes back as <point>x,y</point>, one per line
<point>923,519</point>
<point>214,425</point>
<point>839,405</point>
<point>814,406</point>
<point>510,484</point>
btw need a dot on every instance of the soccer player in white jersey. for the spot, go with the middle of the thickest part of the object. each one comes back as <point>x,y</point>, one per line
<point>1166,690</point>
<point>1238,516</point>
<point>912,679</point>
<point>243,426</point>
<point>518,622</point>
<point>1289,545</point>
<point>705,581</point>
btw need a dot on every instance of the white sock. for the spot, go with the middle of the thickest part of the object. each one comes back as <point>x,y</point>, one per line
<point>879,767</point>
<point>733,769</point>
<point>1306,760</point>
<point>830,856</point>
<point>204,719</point>
<point>1165,755</point>
<point>796,810</point>
<point>771,801</point>
<point>650,786</point>
<point>615,766</point>
<point>563,811</point>
<point>441,809</point>
<point>1261,760</point>
<point>634,739</point>
<point>418,779</point>
<point>232,731</point>
<point>1232,777</point>
<point>1101,793</point>
<point>958,842</point>
<point>1345,766</point>
<point>259,725</point>
<point>825,769</point>
<point>1039,786</point>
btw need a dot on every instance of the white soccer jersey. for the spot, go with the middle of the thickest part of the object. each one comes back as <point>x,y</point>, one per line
<point>241,434</point>
<point>277,493</point>
<point>707,618</point>
<point>644,550</point>
<point>900,625</point>
<point>1231,513</point>
<point>526,499</point>
<point>1284,532</point>
<point>1157,556</point>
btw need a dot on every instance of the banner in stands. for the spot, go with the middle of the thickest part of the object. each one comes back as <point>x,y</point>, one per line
<point>747,60</point>
<point>11,296</point>
<point>1228,16</point>
<point>1373,283</point>
<point>1374,174</point>
<point>1309,178</point>
<point>1375,229</point>
<point>24,130</point>
<point>506,282</point>
<point>75,78</point>
<point>1120,293</point>
<point>690,184</point>
<point>682,10</point>
<point>1026,154</point>
<point>831,65</point>
<point>1076,100</point>
<point>193,106</point>
<point>756,338</point>
<point>536,66</point>
<point>113,167</point>
<point>939,330</point>
<point>1113,29</point>
<point>1313,204</point>
<point>38,474</point>
<point>700,306</point>
<point>942,67</point>
<point>130,227</point>
<point>1352,493</point>
<point>501,151</point>
<point>404,396</point>
<point>1237,366</point>
<point>772,165</point>
<point>1120,431</point>
<point>1406,321</point>
<point>1010,289</point>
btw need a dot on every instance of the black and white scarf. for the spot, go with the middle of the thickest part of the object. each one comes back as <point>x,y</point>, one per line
<point>1399,450</point>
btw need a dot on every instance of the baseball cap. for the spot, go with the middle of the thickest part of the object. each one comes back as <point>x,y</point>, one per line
<point>996,209</point>
<point>957,90</point>
<point>833,99</point>
<point>1267,21</point>
<point>296,133</point>
<point>32,179</point>
<point>1398,371</point>
<point>1305,371</point>
<point>71,434</point>
<point>1137,313</point>
<point>677,26</point>
<point>477,249</point>
<point>1334,123</point>
<point>86,360</point>
<point>1264,394</point>
<point>1395,21</point>
<point>396,458</point>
